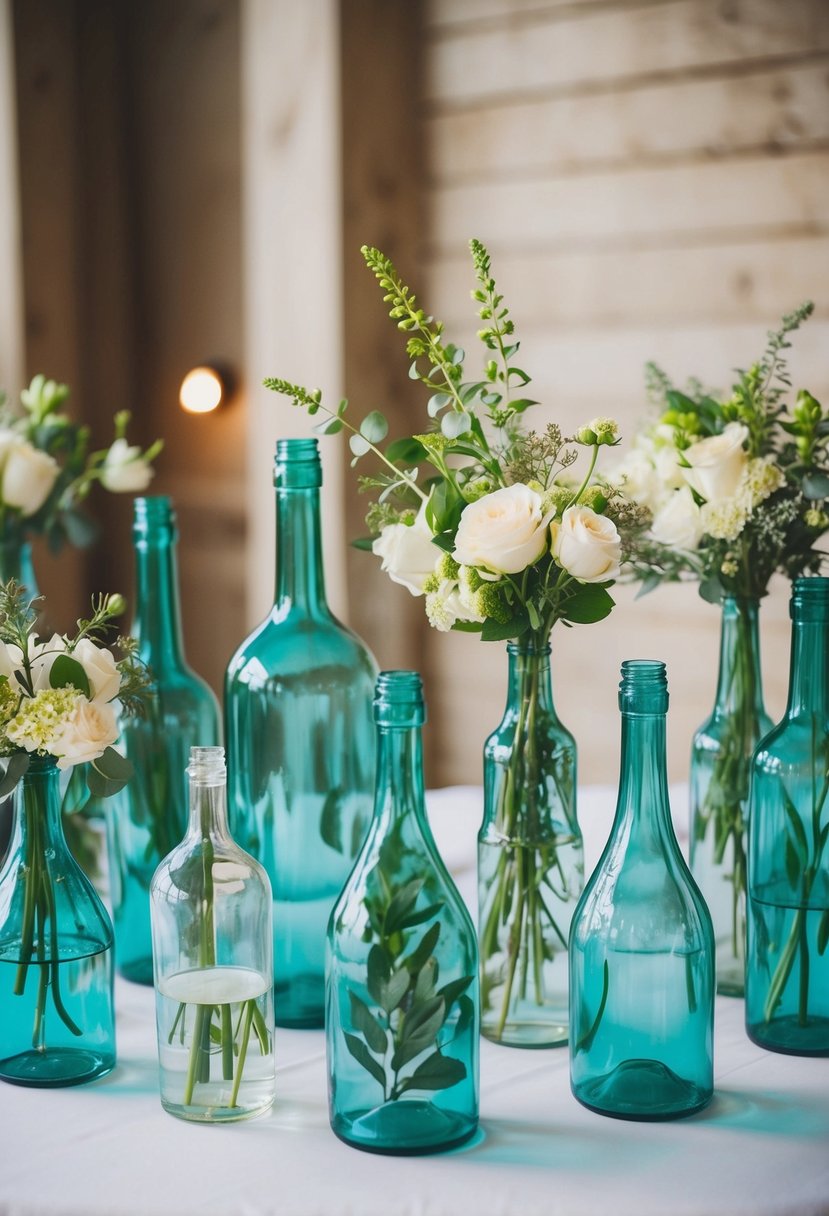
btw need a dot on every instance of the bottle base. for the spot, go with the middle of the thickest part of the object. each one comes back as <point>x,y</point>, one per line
<point>790,1038</point>
<point>216,1114</point>
<point>404,1129</point>
<point>531,1035</point>
<point>56,1067</point>
<point>646,1091</point>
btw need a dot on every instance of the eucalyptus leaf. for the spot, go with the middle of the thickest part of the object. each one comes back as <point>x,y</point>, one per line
<point>436,403</point>
<point>358,445</point>
<point>816,486</point>
<point>436,1072</point>
<point>363,1019</point>
<point>69,673</point>
<point>108,774</point>
<point>329,426</point>
<point>455,424</point>
<point>374,427</point>
<point>362,1055</point>
<point>16,766</point>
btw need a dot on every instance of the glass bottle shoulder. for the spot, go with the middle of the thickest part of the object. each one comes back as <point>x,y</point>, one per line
<point>297,646</point>
<point>233,871</point>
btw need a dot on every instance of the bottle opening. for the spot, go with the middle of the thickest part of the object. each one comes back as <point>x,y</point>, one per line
<point>644,687</point>
<point>810,599</point>
<point>207,764</point>
<point>154,516</point>
<point>297,465</point>
<point>398,699</point>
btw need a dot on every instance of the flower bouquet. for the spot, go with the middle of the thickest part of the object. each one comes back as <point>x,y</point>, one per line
<point>490,524</point>
<point>738,488</point>
<point>59,701</point>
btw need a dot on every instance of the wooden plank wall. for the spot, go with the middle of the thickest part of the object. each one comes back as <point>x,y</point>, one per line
<point>651,178</point>
<point>11,291</point>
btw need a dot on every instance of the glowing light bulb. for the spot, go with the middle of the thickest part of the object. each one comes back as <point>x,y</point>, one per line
<point>202,390</point>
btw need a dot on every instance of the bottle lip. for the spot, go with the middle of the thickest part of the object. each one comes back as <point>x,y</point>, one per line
<point>530,649</point>
<point>644,687</point>
<point>297,464</point>
<point>398,699</point>
<point>810,599</point>
<point>154,513</point>
<point>207,764</point>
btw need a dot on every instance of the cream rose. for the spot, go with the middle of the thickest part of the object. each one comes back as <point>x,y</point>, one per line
<point>679,523</point>
<point>28,476</point>
<point>99,665</point>
<point>407,553</point>
<point>503,532</point>
<point>717,463</point>
<point>85,735</point>
<point>587,545</point>
<point>639,478</point>
<point>125,471</point>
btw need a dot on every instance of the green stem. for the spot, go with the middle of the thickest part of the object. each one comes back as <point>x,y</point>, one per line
<point>243,1051</point>
<point>227,1043</point>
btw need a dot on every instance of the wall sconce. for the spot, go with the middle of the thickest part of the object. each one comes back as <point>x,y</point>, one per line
<point>204,389</point>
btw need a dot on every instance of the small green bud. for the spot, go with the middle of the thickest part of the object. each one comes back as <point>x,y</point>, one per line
<point>115,605</point>
<point>489,602</point>
<point>447,567</point>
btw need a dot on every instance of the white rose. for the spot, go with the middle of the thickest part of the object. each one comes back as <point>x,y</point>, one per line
<point>717,463</point>
<point>86,734</point>
<point>587,545</point>
<point>679,523</point>
<point>505,531</point>
<point>99,665</point>
<point>41,656</point>
<point>125,471</point>
<point>28,476</point>
<point>408,555</point>
<point>639,478</point>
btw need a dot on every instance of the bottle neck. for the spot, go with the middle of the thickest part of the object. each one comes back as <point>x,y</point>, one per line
<point>157,623</point>
<point>300,582</point>
<point>208,809</point>
<point>643,809</point>
<point>38,822</point>
<point>809,670</point>
<point>529,686</point>
<point>400,789</point>
<point>740,685</point>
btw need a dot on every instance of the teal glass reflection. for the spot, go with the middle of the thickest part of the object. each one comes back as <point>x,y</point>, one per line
<point>402,1014</point>
<point>642,944</point>
<point>300,742</point>
<point>147,819</point>
<point>57,1022</point>
<point>787,975</point>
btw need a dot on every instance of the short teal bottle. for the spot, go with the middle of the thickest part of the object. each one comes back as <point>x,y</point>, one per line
<point>642,945</point>
<point>300,741</point>
<point>787,973</point>
<point>57,1022</point>
<point>403,1013</point>
<point>147,819</point>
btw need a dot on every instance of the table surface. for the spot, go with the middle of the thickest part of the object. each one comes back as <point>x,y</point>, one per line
<point>108,1149</point>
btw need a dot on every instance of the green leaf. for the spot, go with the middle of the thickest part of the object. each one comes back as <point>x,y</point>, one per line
<point>364,542</point>
<point>108,774</point>
<point>358,445</point>
<point>436,403</point>
<point>16,766</point>
<point>329,426</point>
<point>590,603</point>
<point>410,1048</point>
<point>426,1019</point>
<point>427,976</point>
<point>710,589</point>
<point>401,904</point>
<point>445,541</point>
<point>406,451</point>
<point>792,863</point>
<point>444,508</point>
<point>454,989</point>
<point>816,486</point>
<point>395,989</point>
<point>467,626</point>
<point>379,970</point>
<point>455,424</point>
<point>466,1014</point>
<point>520,373</point>
<point>331,820</point>
<point>81,531</point>
<point>68,673</point>
<point>586,1041</point>
<point>823,932</point>
<point>436,1072</point>
<point>374,427</point>
<point>363,1019</point>
<point>361,1054</point>
<point>502,631</point>
<point>796,824</point>
<point>423,950</point>
<point>419,917</point>
<point>521,403</point>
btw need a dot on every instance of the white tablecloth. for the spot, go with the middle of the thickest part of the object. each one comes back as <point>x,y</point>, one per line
<point>108,1149</point>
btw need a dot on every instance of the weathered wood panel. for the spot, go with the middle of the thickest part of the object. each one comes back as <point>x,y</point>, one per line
<point>11,292</point>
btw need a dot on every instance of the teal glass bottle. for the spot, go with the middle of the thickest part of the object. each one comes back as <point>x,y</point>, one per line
<point>402,996</point>
<point>719,785</point>
<point>57,1023</point>
<point>211,912</point>
<point>147,819</point>
<point>642,944</point>
<point>300,742</point>
<point>530,860</point>
<point>787,972</point>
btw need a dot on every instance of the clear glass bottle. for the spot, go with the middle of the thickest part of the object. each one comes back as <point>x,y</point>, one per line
<point>787,975</point>
<point>402,1014</point>
<point>300,742</point>
<point>530,861</point>
<point>147,819</point>
<point>212,953</point>
<point>720,768</point>
<point>57,1022</point>
<point>641,945</point>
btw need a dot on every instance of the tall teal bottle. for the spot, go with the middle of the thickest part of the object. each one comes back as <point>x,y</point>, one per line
<point>148,818</point>
<point>642,961</point>
<point>300,742</point>
<point>402,1012</point>
<point>787,974</point>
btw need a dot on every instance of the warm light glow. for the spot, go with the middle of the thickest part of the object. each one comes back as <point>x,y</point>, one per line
<point>201,390</point>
